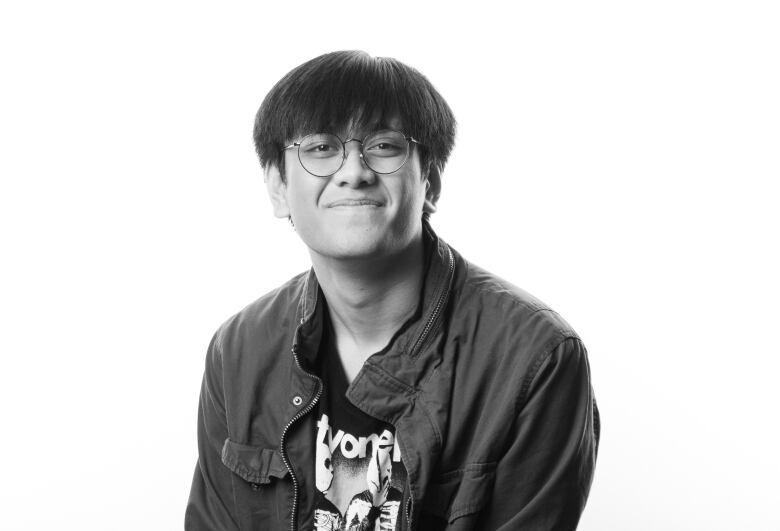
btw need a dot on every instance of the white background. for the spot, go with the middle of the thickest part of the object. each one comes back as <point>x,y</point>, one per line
<point>617,159</point>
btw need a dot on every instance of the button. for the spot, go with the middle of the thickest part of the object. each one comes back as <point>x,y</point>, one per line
<point>297,400</point>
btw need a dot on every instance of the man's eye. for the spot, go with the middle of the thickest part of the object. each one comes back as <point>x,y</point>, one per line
<point>381,146</point>
<point>320,149</point>
<point>384,149</point>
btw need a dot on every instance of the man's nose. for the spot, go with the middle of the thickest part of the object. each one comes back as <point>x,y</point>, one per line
<point>354,172</point>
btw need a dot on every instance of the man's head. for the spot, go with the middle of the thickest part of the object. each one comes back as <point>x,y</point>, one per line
<point>351,95</point>
<point>339,89</point>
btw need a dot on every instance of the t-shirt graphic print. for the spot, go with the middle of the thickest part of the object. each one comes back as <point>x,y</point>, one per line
<point>360,479</point>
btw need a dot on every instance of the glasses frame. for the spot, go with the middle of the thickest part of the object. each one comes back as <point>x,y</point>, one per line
<point>409,140</point>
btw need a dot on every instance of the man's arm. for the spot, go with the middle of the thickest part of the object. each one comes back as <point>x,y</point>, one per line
<point>543,479</point>
<point>211,505</point>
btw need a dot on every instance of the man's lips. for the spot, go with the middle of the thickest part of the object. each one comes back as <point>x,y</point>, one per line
<point>363,201</point>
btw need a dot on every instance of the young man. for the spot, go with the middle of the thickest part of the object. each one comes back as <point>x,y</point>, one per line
<point>395,385</point>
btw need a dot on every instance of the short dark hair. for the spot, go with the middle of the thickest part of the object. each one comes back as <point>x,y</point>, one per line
<point>334,89</point>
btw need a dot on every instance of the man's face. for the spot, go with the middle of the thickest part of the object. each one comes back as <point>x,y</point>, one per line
<point>354,213</point>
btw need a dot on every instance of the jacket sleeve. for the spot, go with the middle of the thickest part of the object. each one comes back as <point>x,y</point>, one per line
<point>211,506</point>
<point>543,479</point>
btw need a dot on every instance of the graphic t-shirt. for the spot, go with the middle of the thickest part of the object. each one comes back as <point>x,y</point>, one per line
<point>359,473</point>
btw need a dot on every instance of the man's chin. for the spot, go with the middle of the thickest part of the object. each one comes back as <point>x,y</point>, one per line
<point>358,243</point>
<point>361,250</point>
<point>354,247</point>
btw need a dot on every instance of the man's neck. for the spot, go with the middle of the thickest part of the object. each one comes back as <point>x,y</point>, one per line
<point>369,300</point>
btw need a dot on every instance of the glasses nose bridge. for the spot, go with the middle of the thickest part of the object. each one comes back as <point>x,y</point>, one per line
<point>362,163</point>
<point>347,141</point>
<point>345,153</point>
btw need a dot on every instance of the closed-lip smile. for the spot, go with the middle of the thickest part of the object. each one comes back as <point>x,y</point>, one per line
<point>355,202</point>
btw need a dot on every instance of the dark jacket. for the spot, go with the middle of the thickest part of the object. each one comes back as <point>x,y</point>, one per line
<point>488,389</point>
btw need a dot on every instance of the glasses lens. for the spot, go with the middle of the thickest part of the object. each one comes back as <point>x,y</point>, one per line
<point>385,151</point>
<point>321,154</point>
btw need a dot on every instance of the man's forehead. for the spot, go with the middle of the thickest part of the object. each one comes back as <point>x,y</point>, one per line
<point>358,125</point>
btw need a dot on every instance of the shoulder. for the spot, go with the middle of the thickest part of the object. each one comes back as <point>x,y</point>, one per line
<point>480,292</point>
<point>262,322</point>
<point>505,324</point>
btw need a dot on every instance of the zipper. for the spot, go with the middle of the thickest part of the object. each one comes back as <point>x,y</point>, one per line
<point>283,451</point>
<point>443,296</point>
<point>439,305</point>
<point>406,500</point>
<point>408,507</point>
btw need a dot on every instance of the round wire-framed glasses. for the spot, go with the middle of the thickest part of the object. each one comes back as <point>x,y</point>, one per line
<point>383,152</point>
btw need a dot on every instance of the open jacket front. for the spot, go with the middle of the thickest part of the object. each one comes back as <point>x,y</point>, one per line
<point>488,389</point>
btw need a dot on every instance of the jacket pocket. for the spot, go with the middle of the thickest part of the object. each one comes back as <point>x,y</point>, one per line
<point>260,495</point>
<point>253,464</point>
<point>460,492</point>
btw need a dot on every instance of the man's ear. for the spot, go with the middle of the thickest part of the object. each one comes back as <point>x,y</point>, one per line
<point>277,190</point>
<point>432,189</point>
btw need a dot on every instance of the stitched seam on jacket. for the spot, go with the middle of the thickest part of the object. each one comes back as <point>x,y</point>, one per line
<point>219,355</point>
<point>467,509</point>
<point>246,473</point>
<point>434,426</point>
<point>393,381</point>
<point>218,351</point>
<point>541,358</point>
<point>488,466</point>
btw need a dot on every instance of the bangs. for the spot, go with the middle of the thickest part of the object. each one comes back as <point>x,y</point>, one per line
<point>348,92</point>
